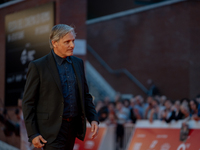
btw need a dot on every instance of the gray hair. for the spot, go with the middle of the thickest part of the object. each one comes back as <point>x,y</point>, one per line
<point>58,31</point>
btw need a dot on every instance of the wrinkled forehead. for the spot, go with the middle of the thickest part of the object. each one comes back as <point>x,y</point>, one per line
<point>69,34</point>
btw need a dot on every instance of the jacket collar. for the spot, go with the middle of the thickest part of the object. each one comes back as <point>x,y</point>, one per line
<point>53,69</point>
<point>60,60</point>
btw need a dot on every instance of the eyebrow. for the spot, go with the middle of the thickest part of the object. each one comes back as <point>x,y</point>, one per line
<point>69,40</point>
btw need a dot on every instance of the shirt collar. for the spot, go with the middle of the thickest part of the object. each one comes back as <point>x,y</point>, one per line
<point>59,59</point>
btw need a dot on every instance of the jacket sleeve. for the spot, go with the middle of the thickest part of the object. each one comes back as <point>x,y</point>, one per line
<point>30,99</point>
<point>91,113</point>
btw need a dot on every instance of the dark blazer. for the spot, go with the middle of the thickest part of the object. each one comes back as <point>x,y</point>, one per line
<point>43,102</point>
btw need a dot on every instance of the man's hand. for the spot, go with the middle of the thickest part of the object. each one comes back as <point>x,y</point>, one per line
<point>94,129</point>
<point>37,141</point>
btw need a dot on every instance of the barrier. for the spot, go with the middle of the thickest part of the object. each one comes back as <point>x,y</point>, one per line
<point>88,143</point>
<point>128,129</point>
<point>106,139</point>
<point>162,136</point>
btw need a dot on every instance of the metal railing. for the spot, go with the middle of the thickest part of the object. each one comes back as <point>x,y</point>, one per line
<point>116,72</point>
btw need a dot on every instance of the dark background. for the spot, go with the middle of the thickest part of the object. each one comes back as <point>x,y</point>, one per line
<point>31,42</point>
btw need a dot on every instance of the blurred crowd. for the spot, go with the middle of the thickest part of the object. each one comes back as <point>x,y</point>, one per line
<point>123,111</point>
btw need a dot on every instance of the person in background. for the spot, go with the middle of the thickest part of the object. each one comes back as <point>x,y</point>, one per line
<point>102,112</point>
<point>185,101</point>
<point>185,108</point>
<point>152,111</point>
<point>132,102</point>
<point>148,102</point>
<point>172,112</point>
<point>198,98</point>
<point>148,106</point>
<point>177,114</point>
<point>194,111</point>
<point>134,113</point>
<point>122,114</point>
<point>162,100</point>
<point>167,112</point>
<point>112,118</point>
<point>126,103</point>
<point>153,90</point>
<point>139,106</point>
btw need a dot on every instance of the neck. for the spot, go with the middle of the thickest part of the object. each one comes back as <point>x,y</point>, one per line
<point>56,52</point>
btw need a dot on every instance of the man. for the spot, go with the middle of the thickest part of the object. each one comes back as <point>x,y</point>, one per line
<point>139,105</point>
<point>56,98</point>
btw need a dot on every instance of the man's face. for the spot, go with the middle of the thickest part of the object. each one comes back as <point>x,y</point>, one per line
<point>65,46</point>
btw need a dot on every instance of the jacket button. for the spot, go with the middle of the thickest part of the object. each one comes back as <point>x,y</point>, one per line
<point>60,115</point>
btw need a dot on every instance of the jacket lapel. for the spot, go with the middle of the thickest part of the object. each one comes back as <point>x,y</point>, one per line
<point>53,69</point>
<point>77,71</point>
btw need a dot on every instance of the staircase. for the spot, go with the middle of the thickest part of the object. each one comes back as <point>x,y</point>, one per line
<point>98,86</point>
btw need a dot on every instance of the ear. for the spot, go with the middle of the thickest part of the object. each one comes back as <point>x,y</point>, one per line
<point>54,43</point>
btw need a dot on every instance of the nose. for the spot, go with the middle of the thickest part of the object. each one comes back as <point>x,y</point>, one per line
<point>72,44</point>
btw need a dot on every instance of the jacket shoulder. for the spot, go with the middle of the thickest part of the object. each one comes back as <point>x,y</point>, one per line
<point>40,61</point>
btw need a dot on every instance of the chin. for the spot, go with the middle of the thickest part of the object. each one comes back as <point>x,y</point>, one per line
<point>70,54</point>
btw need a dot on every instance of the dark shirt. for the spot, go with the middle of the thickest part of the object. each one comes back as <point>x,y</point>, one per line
<point>69,87</point>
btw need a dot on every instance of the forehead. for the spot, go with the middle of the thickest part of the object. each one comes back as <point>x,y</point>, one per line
<point>68,36</point>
